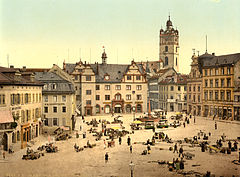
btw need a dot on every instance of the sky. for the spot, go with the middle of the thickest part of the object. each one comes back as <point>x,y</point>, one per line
<point>45,32</point>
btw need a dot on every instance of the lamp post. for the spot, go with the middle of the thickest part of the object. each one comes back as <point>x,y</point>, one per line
<point>132,168</point>
<point>134,108</point>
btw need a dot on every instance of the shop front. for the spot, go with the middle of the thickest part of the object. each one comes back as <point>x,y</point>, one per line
<point>25,134</point>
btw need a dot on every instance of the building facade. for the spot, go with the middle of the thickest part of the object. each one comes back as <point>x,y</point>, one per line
<point>173,93</point>
<point>194,88</point>
<point>108,88</point>
<point>21,100</point>
<point>58,100</point>
<point>169,46</point>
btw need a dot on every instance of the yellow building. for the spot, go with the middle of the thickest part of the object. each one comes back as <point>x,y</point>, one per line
<point>21,95</point>
<point>218,84</point>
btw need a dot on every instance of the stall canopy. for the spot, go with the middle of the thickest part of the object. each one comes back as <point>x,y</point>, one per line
<point>6,117</point>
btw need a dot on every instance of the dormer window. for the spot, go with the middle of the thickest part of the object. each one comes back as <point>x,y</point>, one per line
<point>129,77</point>
<point>107,77</point>
<point>54,86</point>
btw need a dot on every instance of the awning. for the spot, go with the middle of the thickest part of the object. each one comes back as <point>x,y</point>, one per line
<point>6,117</point>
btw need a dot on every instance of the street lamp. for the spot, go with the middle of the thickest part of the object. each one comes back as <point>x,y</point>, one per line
<point>134,108</point>
<point>132,168</point>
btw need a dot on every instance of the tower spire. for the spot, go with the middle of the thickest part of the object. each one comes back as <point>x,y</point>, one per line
<point>206,43</point>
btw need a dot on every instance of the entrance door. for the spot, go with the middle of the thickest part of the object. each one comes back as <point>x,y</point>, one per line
<point>89,112</point>
<point>107,109</point>
<point>117,108</point>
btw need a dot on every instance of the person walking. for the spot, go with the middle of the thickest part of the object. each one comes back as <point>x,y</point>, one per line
<point>184,124</point>
<point>235,145</point>
<point>148,149</point>
<point>229,145</point>
<point>175,148</point>
<point>215,125</point>
<point>131,149</point>
<point>120,140</point>
<point>129,141</point>
<point>3,155</point>
<point>106,157</point>
<point>180,151</point>
<point>194,119</point>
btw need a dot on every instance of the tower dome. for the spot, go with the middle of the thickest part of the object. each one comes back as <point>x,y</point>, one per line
<point>169,23</point>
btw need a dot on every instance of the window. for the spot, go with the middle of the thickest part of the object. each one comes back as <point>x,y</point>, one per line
<point>185,97</point>
<point>189,97</point>
<point>98,109</point>
<point>198,98</point>
<point>54,86</point>
<point>216,71</point>
<point>205,95</point>
<point>55,109</point>
<point>139,97</point>
<point>138,77</point>
<point>88,78</point>
<point>211,72</point>
<point>63,98</point>
<point>107,97</point>
<point>205,72</point>
<point>76,88</point>
<point>228,82</point>
<point>97,97</point>
<point>216,82</point>
<point>222,95</point>
<point>45,87</point>
<point>211,95</point>
<point>172,88</point>
<point>216,95</point>
<point>228,95</point>
<point>228,70</point>
<point>179,88</point>
<point>139,87</point>
<point>222,83</point>
<point>189,88</point>
<point>206,83</point>
<point>211,83</point>
<point>166,61</point>
<point>185,88</point>
<point>171,97</point>
<point>46,98</point>
<point>222,71</point>
<point>129,77</point>
<point>118,87</point>
<point>97,87</point>
<point>176,49</point>
<point>194,88</point>
<point>64,109</point>
<point>55,98</point>
<point>45,109</point>
<point>55,121</point>
<point>118,97</point>
<point>166,48</point>
<point>88,102</point>
<point>88,92</point>
<point>107,77</point>
<point>176,61</point>
<point>128,97</point>
<point>107,87</point>
<point>76,77</point>
<point>199,88</point>
<point>194,98</point>
<point>128,87</point>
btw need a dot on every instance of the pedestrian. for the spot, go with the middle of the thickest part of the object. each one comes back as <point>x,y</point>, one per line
<point>209,133</point>
<point>194,119</point>
<point>235,145</point>
<point>129,141</point>
<point>120,140</point>
<point>131,149</point>
<point>80,128</point>
<point>3,154</point>
<point>180,151</point>
<point>229,145</point>
<point>190,116</point>
<point>148,149</point>
<point>106,157</point>
<point>175,148</point>
<point>184,124</point>
<point>215,125</point>
<point>187,121</point>
<point>105,146</point>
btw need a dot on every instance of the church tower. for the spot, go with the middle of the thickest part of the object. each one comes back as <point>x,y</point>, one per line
<point>169,46</point>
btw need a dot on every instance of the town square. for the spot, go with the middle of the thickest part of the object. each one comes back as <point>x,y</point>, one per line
<point>119,88</point>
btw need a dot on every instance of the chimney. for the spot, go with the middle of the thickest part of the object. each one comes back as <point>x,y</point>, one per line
<point>97,68</point>
<point>11,66</point>
<point>24,68</point>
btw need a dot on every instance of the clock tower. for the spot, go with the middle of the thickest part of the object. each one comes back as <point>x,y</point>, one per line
<point>169,46</point>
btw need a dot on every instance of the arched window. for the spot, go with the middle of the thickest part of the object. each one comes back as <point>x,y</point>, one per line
<point>139,108</point>
<point>166,48</point>
<point>166,61</point>
<point>176,61</point>
<point>118,96</point>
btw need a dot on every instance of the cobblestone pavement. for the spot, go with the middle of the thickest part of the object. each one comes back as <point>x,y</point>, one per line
<point>90,161</point>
